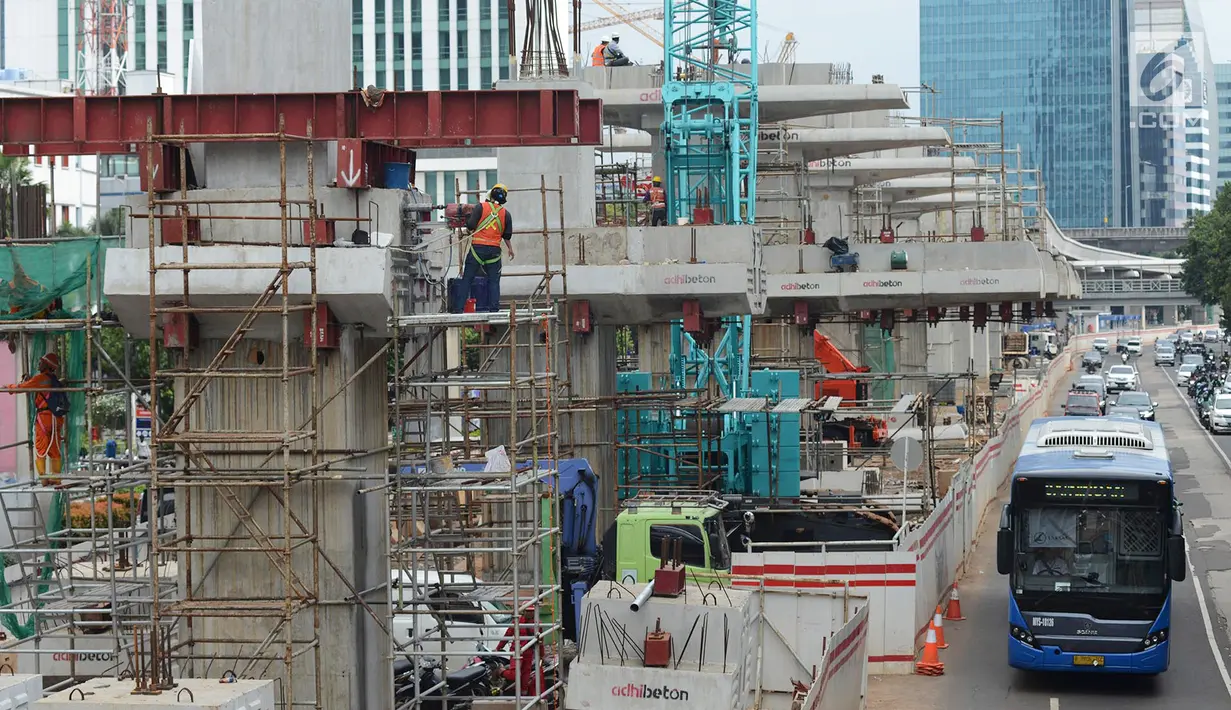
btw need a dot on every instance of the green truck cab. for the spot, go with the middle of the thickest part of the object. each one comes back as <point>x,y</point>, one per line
<point>645,523</point>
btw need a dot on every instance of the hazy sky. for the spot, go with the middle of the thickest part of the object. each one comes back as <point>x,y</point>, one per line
<point>874,36</point>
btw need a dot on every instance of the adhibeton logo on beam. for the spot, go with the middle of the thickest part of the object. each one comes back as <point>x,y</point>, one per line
<point>979,282</point>
<point>636,690</point>
<point>682,280</point>
<point>877,283</point>
<point>795,286</point>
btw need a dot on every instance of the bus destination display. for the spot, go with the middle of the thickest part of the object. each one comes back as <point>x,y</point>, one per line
<point>1090,491</point>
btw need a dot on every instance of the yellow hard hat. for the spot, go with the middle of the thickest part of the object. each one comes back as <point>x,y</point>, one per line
<point>500,186</point>
<point>656,179</point>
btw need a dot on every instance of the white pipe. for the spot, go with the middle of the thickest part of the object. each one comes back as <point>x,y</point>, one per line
<point>642,597</point>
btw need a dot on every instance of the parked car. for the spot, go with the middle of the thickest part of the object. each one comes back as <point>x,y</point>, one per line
<point>1210,336</point>
<point>1140,402</point>
<point>1082,403</point>
<point>1121,377</point>
<point>472,620</point>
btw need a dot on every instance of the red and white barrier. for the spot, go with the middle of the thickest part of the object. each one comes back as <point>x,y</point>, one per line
<point>842,679</point>
<point>904,586</point>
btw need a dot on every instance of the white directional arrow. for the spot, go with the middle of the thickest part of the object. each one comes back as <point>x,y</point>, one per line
<point>351,177</point>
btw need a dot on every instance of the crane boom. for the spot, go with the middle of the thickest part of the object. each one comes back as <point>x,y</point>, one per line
<point>618,10</point>
<point>621,19</point>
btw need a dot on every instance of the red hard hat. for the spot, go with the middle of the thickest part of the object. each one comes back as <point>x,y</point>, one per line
<point>50,361</point>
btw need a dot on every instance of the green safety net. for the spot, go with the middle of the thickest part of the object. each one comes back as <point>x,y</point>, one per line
<point>56,281</point>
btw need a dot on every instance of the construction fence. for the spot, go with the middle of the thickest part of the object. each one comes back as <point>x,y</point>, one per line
<point>904,585</point>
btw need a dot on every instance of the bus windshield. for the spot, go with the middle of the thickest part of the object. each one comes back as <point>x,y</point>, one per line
<point>1086,545</point>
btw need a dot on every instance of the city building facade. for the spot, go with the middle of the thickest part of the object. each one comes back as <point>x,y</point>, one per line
<point>1116,147</point>
<point>1222,92</point>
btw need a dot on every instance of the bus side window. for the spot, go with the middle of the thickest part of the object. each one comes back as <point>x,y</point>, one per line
<point>693,547</point>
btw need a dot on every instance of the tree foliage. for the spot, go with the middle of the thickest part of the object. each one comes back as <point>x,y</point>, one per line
<point>1207,254</point>
<point>112,341</point>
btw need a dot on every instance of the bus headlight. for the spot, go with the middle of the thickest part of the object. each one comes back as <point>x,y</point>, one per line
<point>1154,639</point>
<point>1023,635</point>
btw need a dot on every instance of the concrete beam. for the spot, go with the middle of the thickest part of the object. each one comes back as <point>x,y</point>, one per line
<point>356,283</point>
<point>810,143</point>
<point>866,171</point>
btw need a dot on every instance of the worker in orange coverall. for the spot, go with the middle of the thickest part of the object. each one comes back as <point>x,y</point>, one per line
<point>50,409</point>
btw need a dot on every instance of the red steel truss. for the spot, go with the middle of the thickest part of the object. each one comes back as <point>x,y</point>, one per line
<point>83,125</point>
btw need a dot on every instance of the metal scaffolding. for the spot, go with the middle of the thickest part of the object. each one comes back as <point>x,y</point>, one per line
<point>75,561</point>
<point>479,408</point>
<point>262,475</point>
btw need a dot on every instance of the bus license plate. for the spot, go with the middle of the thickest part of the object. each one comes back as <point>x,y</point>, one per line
<point>1088,661</point>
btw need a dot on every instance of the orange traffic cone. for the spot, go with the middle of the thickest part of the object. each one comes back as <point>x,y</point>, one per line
<point>930,663</point>
<point>939,624</point>
<point>954,613</point>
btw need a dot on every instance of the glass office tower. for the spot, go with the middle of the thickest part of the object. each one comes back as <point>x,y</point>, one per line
<point>1222,91</point>
<point>1066,74</point>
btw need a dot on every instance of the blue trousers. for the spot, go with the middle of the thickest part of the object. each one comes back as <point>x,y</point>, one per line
<point>473,268</point>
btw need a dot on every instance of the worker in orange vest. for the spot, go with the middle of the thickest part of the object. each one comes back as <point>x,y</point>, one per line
<point>598,58</point>
<point>51,406</point>
<point>657,197</point>
<point>490,226</point>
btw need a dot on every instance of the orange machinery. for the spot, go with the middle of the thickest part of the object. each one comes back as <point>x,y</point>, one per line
<point>857,430</point>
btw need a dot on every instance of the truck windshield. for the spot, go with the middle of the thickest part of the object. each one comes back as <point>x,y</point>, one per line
<point>1082,546</point>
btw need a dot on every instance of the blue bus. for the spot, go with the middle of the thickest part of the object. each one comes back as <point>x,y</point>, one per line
<point>1091,540</point>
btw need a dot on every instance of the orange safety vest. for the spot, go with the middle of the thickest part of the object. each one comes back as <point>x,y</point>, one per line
<point>658,198</point>
<point>597,56</point>
<point>491,226</point>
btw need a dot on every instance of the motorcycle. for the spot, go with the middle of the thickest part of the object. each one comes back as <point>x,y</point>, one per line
<point>1124,357</point>
<point>1091,369</point>
<point>436,690</point>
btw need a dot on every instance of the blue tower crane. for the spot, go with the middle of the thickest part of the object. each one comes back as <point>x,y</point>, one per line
<point>710,110</point>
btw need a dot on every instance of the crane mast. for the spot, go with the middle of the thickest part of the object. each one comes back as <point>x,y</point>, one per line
<point>710,110</point>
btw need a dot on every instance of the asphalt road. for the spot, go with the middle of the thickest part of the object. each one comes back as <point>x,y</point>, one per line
<point>977,675</point>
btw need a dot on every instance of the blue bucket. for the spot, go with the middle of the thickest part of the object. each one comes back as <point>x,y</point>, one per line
<point>397,176</point>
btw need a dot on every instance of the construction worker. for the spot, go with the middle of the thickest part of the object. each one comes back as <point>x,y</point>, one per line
<point>598,58</point>
<point>50,409</point>
<point>657,197</point>
<point>490,226</point>
<point>613,55</point>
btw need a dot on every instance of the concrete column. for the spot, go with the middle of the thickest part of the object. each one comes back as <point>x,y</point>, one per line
<point>524,169</point>
<point>1171,314</point>
<point>351,527</point>
<point>654,348</point>
<point>980,351</point>
<point>589,434</point>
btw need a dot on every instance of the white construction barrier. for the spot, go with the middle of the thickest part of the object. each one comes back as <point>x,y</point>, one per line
<point>841,681</point>
<point>905,586</point>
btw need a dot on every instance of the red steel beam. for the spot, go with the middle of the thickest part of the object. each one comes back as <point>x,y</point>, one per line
<point>83,125</point>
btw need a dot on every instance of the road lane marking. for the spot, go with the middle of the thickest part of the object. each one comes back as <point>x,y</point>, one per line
<point>1192,570</point>
<point>1055,704</point>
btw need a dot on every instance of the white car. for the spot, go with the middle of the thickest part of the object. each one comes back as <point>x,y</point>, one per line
<point>1134,346</point>
<point>473,618</point>
<point>1220,414</point>
<point>1121,377</point>
<point>1100,344</point>
<point>1185,373</point>
<point>1210,336</point>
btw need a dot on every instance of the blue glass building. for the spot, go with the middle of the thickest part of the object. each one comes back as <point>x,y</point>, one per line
<point>1064,74</point>
<point>1222,90</point>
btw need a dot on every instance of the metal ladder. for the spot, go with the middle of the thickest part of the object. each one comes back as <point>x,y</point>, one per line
<point>44,562</point>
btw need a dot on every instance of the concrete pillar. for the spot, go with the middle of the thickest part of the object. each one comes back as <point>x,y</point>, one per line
<point>524,169</point>
<point>592,374</point>
<point>981,351</point>
<point>351,528</point>
<point>654,348</point>
<point>1171,314</point>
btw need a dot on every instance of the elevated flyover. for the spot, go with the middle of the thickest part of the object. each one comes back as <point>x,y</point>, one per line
<point>643,275</point>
